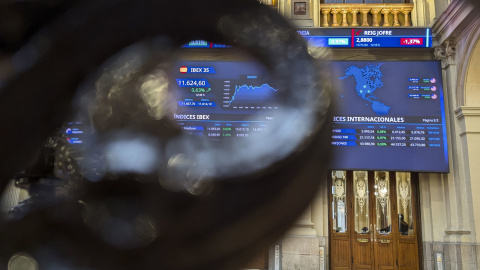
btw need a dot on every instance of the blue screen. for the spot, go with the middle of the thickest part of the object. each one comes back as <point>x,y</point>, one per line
<point>216,99</point>
<point>383,37</point>
<point>389,116</point>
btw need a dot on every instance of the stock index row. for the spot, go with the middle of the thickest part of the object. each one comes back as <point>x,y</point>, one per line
<point>368,37</point>
<point>383,135</point>
<point>339,37</point>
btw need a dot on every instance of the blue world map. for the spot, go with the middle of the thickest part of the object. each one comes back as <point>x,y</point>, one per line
<point>368,80</point>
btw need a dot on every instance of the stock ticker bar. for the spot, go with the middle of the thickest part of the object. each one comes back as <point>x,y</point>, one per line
<point>411,37</point>
<point>368,37</point>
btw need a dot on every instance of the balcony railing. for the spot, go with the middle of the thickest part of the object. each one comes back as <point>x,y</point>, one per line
<point>344,15</point>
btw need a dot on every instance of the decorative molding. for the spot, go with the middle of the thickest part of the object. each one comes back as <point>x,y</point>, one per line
<point>340,189</point>
<point>361,192</point>
<point>452,21</point>
<point>405,193</point>
<point>382,190</point>
<point>464,60</point>
<point>445,53</point>
<point>457,231</point>
<point>465,133</point>
<point>467,111</point>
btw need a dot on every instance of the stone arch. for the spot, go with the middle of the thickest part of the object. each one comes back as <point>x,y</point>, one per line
<point>468,79</point>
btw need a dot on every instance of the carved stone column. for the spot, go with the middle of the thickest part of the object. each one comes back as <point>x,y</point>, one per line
<point>458,183</point>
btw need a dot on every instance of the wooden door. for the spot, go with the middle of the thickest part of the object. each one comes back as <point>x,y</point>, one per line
<point>339,211</point>
<point>373,233</point>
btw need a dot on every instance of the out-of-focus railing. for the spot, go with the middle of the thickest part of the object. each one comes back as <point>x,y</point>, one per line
<point>344,15</point>
<point>271,3</point>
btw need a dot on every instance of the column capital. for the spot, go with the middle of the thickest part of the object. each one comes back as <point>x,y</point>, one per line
<point>446,53</point>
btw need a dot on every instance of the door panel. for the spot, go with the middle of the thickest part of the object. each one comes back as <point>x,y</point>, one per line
<point>384,232</point>
<point>384,250</point>
<point>340,253</point>
<point>407,253</point>
<point>373,221</point>
<point>407,237</point>
<point>363,258</point>
<point>363,231</point>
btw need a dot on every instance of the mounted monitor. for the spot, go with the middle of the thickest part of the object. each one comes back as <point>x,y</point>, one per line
<point>389,116</point>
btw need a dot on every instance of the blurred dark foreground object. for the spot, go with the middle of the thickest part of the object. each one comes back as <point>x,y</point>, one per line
<point>131,221</point>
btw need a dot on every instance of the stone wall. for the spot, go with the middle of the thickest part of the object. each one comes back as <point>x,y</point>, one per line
<point>302,252</point>
<point>459,256</point>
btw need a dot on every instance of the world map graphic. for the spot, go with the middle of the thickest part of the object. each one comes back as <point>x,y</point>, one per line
<point>368,80</point>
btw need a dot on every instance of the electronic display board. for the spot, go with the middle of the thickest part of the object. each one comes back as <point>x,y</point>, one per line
<point>338,37</point>
<point>389,116</point>
<point>216,99</point>
<point>411,37</point>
